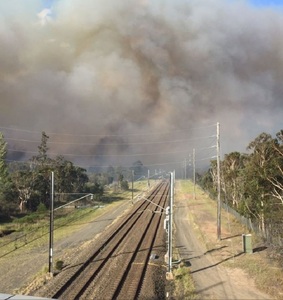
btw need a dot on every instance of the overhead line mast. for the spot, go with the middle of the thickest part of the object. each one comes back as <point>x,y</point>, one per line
<point>218,185</point>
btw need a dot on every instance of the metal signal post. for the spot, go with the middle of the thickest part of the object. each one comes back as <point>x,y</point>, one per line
<point>51,230</point>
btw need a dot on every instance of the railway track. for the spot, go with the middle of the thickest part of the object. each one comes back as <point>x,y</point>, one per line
<point>116,268</point>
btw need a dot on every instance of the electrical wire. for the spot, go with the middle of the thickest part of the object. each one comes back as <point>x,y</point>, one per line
<point>201,150</point>
<point>107,135</point>
<point>110,144</point>
<point>107,155</point>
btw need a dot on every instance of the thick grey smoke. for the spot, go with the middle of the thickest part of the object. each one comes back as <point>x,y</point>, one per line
<point>135,66</point>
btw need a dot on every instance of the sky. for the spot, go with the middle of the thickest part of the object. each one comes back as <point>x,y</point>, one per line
<point>266,2</point>
<point>116,82</point>
<point>48,3</point>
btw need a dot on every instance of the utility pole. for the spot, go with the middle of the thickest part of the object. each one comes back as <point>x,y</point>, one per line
<point>185,168</point>
<point>51,230</point>
<point>194,172</point>
<point>218,185</point>
<point>133,173</point>
<point>170,222</point>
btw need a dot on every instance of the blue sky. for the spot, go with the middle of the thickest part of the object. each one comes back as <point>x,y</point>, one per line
<point>266,2</point>
<point>48,3</point>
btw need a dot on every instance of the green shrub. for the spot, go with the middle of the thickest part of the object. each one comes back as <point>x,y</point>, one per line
<point>124,185</point>
<point>59,265</point>
<point>28,219</point>
<point>41,208</point>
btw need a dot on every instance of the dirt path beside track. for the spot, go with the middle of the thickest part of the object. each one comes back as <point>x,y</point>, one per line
<point>212,279</point>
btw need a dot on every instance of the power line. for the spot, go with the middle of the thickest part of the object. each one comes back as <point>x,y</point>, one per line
<point>98,166</point>
<point>107,155</point>
<point>107,135</point>
<point>110,144</point>
<point>78,156</point>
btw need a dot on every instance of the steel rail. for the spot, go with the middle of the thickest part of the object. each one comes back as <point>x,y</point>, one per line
<point>67,281</point>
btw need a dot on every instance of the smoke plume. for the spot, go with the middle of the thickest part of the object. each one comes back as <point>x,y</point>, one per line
<point>127,69</point>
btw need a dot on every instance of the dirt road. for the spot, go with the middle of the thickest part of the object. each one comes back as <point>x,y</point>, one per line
<point>212,279</point>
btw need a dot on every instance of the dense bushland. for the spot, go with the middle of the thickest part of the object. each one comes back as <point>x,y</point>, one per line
<point>26,186</point>
<point>252,183</point>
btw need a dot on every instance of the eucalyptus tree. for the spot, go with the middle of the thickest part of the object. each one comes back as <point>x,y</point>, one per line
<point>3,153</point>
<point>208,180</point>
<point>110,174</point>
<point>62,170</point>
<point>7,194</point>
<point>98,178</point>
<point>253,182</point>
<point>68,177</point>
<point>3,166</point>
<point>232,177</point>
<point>23,179</point>
<point>257,187</point>
<point>275,176</point>
<point>41,169</point>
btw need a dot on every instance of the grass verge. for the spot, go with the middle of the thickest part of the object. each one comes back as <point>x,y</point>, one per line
<point>184,287</point>
<point>266,272</point>
<point>32,231</point>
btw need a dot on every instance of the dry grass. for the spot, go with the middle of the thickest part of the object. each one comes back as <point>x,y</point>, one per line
<point>184,287</point>
<point>35,234</point>
<point>267,274</point>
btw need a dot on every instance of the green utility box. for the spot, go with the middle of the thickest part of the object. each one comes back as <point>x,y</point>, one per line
<point>247,243</point>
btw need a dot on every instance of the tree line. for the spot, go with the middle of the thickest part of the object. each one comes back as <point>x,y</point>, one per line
<point>26,186</point>
<point>252,183</point>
